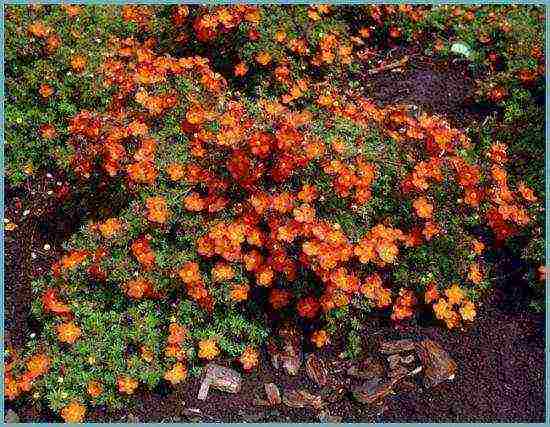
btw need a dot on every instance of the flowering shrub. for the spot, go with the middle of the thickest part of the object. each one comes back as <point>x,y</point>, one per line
<point>246,209</point>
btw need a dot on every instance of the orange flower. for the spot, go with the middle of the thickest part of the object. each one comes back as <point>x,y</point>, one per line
<point>283,202</point>
<point>280,36</point>
<point>195,115</point>
<point>319,338</point>
<point>527,193</point>
<point>431,293</point>
<point>127,385</point>
<point>78,63</point>
<point>279,298</point>
<point>304,213</point>
<point>468,310</point>
<point>193,202</point>
<point>222,272</point>
<point>110,227</point>
<point>263,58</point>
<point>39,30</point>
<point>47,131</point>
<point>143,172</point>
<point>175,171</point>
<point>474,274</point>
<point>264,276</point>
<point>387,251</point>
<point>249,358</point>
<point>51,302</point>
<point>94,388</point>
<point>38,365</point>
<point>143,253</point>
<point>11,387</point>
<point>46,90</point>
<point>208,349</point>
<point>240,69</point>
<point>138,128</point>
<point>239,292</point>
<point>478,246</point>
<point>430,229</point>
<point>74,412</point>
<point>177,335</point>
<point>454,294</point>
<point>68,332</point>
<point>442,309</point>
<point>177,374</point>
<point>252,260</point>
<point>423,208</point>
<point>138,288</point>
<point>365,251</point>
<point>190,273</point>
<point>308,307</point>
<point>73,259</point>
<point>157,209</point>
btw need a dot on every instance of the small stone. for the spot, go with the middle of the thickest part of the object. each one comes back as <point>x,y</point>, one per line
<point>369,368</point>
<point>131,418</point>
<point>26,212</point>
<point>397,346</point>
<point>289,355</point>
<point>398,373</point>
<point>436,362</point>
<point>47,247</point>
<point>11,417</point>
<point>316,370</point>
<point>273,394</point>
<point>221,378</point>
<point>302,399</point>
<point>372,391</point>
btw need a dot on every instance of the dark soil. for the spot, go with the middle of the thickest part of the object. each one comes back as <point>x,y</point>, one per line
<point>501,358</point>
<point>443,88</point>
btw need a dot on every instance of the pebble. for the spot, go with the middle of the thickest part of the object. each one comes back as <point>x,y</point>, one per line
<point>26,212</point>
<point>11,417</point>
<point>47,247</point>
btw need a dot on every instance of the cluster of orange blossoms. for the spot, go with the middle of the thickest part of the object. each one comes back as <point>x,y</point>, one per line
<point>225,19</point>
<point>451,307</point>
<point>36,366</point>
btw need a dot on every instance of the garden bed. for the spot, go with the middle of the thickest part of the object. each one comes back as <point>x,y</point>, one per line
<point>274,214</point>
<point>500,359</point>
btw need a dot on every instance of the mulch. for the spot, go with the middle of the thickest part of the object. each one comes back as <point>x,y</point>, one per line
<point>500,358</point>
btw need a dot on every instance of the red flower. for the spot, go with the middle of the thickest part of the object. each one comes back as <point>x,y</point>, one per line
<point>308,307</point>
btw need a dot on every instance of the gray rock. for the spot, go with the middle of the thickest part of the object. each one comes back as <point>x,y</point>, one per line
<point>437,364</point>
<point>372,391</point>
<point>11,417</point>
<point>221,378</point>
<point>316,370</point>
<point>302,399</point>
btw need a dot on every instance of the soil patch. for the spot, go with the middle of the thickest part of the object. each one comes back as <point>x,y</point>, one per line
<point>445,88</point>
